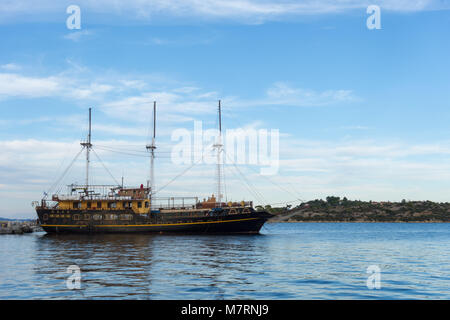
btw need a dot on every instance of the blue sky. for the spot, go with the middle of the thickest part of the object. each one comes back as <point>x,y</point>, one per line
<point>362,113</point>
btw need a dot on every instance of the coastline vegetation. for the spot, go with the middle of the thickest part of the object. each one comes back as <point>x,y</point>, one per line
<point>335,209</point>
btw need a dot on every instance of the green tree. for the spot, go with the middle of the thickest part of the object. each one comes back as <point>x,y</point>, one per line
<point>333,201</point>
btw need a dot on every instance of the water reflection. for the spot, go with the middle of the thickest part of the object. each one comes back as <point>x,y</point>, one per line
<point>289,261</point>
<point>144,265</point>
<point>110,264</point>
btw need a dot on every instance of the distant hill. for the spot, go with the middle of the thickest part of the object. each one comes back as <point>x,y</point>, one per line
<point>335,209</point>
<point>11,219</point>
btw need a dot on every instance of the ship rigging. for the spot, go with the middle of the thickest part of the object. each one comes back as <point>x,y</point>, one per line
<point>91,208</point>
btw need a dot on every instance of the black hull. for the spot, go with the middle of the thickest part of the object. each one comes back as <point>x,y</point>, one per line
<point>228,224</point>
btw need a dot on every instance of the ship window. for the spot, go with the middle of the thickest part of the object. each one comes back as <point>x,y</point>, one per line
<point>89,205</point>
<point>99,205</point>
<point>76,217</point>
<point>97,217</point>
<point>129,205</point>
<point>146,204</point>
<point>112,205</point>
<point>86,216</point>
<point>77,205</point>
<point>139,204</point>
<point>124,204</point>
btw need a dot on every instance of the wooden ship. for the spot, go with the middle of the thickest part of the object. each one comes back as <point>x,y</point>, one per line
<point>117,209</point>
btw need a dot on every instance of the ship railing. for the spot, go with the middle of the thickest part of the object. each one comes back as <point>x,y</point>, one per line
<point>91,198</point>
<point>47,204</point>
<point>99,189</point>
<point>173,202</point>
<point>233,204</point>
<point>92,187</point>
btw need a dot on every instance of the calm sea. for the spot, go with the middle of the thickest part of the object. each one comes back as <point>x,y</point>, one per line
<point>286,261</point>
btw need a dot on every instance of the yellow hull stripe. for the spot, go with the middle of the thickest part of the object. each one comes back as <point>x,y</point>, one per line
<point>173,224</point>
<point>63,225</point>
<point>149,225</point>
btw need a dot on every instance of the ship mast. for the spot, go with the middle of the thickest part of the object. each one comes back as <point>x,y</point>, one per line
<point>88,147</point>
<point>151,148</point>
<point>219,146</point>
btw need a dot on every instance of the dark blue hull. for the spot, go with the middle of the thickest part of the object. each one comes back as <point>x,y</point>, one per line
<point>223,224</point>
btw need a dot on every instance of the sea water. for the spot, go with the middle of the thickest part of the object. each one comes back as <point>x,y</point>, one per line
<point>285,261</point>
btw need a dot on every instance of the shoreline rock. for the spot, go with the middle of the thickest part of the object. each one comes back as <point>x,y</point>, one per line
<point>18,227</point>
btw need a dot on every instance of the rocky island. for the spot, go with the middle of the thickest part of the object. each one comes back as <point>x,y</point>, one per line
<point>335,209</point>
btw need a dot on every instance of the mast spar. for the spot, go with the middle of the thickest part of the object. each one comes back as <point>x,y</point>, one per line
<point>151,148</point>
<point>219,146</point>
<point>88,147</point>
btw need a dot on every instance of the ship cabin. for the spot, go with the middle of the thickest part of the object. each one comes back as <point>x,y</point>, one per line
<point>104,198</point>
<point>211,202</point>
<point>120,200</point>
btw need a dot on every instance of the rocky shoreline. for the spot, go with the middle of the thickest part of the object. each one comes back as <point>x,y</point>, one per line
<point>334,209</point>
<point>18,227</point>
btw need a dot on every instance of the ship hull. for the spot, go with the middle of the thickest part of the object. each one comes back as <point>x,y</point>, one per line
<point>229,224</point>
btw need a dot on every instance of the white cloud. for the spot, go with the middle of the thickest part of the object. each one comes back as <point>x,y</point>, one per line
<point>11,67</point>
<point>93,89</point>
<point>358,169</point>
<point>17,85</point>
<point>135,84</point>
<point>176,105</point>
<point>77,35</point>
<point>126,96</point>
<point>282,93</point>
<point>116,130</point>
<point>247,11</point>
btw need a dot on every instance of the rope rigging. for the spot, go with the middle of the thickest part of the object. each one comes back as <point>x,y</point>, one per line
<point>179,175</point>
<point>100,160</point>
<point>126,150</point>
<point>274,183</point>
<point>54,185</point>
<point>248,184</point>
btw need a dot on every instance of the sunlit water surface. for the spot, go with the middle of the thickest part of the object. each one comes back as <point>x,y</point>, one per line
<point>286,261</point>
